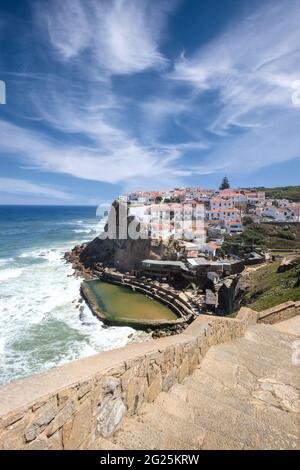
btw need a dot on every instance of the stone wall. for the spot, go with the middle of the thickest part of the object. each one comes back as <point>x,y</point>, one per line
<point>78,405</point>
<point>280,313</point>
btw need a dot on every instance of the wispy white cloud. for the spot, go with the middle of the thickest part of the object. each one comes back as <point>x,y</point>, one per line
<point>68,26</point>
<point>124,161</point>
<point>24,187</point>
<point>120,36</point>
<point>160,108</point>
<point>248,72</point>
<point>251,67</point>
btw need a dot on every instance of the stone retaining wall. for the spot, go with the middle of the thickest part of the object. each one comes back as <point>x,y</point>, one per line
<point>78,405</point>
<point>280,313</point>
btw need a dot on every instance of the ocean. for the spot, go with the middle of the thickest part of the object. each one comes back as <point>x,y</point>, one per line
<point>41,325</point>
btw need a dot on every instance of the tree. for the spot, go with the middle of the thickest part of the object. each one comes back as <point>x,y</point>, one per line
<point>225,184</point>
<point>247,220</point>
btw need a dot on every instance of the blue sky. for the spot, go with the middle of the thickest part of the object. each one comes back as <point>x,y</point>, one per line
<point>107,96</point>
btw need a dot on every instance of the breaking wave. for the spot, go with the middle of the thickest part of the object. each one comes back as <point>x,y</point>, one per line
<point>43,320</point>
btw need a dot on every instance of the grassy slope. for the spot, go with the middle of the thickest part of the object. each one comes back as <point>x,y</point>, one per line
<point>270,236</point>
<point>267,288</point>
<point>288,192</point>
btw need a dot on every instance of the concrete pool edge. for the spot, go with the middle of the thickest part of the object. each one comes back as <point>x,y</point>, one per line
<point>90,299</point>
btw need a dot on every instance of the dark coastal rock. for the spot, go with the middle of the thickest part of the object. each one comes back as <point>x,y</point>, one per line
<point>228,296</point>
<point>122,254</point>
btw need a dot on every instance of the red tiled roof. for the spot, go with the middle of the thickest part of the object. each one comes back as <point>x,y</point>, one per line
<point>212,245</point>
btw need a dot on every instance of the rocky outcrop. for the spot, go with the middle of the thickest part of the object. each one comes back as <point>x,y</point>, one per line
<point>287,263</point>
<point>242,288</point>
<point>227,296</point>
<point>124,254</point>
<point>222,297</point>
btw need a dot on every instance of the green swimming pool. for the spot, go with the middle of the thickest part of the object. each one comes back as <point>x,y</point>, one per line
<point>121,303</point>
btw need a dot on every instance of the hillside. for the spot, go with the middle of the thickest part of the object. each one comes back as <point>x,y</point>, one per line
<point>264,236</point>
<point>265,287</point>
<point>287,192</point>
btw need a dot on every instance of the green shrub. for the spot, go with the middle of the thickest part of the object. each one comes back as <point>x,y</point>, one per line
<point>248,220</point>
<point>286,235</point>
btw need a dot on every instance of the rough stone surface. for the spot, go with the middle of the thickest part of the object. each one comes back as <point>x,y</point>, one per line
<point>279,313</point>
<point>110,416</point>
<point>244,395</point>
<point>222,383</point>
<point>119,252</point>
<point>77,431</point>
<point>291,326</point>
<point>44,415</point>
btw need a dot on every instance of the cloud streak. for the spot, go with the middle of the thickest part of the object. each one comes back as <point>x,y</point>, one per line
<point>24,187</point>
<point>251,67</point>
<point>125,161</point>
<point>119,36</point>
<point>111,108</point>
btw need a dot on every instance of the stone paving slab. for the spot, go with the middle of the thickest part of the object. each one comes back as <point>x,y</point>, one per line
<point>291,326</point>
<point>244,395</point>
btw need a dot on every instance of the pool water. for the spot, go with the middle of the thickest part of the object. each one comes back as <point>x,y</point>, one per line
<point>121,303</point>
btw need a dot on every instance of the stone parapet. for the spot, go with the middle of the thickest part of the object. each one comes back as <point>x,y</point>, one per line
<point>76,405</point>
<point>80,404</point>
<point>279,313</point>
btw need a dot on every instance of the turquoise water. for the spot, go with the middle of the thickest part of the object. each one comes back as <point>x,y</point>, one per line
<point>41,325</point>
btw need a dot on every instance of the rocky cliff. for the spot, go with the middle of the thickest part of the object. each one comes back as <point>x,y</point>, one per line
<point>116,249</point>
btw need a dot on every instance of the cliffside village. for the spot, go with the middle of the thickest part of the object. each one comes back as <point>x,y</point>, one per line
<point>218,212</point>
<point>183,261</point>
<point>200,220</point>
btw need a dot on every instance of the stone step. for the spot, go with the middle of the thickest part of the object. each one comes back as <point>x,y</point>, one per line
<point>262,407</point>
<point>244,395</point>
<point>180,400</point>
<point>154,428</point>
<point>269,335</point>
<point>135,435</point>
<point>291,326</point>
<point>259,359</point>
<point>214,415</point>
<point>190,420</point>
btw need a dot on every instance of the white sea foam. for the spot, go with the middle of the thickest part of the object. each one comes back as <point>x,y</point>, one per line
<point>89,230</point>
<point>50,255</point>
<point>4,261</point>
<point>7,274</point>
<point>40,322</point>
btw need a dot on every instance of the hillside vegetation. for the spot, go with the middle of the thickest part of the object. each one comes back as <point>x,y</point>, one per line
<point>266,287</point>
<point>287,192</point>
<point>264,236</point>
